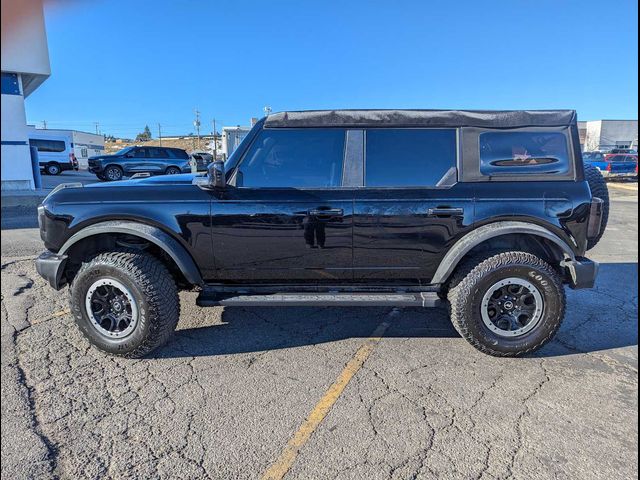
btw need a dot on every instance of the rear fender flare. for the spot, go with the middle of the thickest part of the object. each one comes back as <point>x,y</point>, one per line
<point>492,230</point>
<point>166,242</point>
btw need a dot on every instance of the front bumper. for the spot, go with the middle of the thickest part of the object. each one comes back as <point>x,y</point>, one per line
<point>50,266</point>
<point>583,272</point>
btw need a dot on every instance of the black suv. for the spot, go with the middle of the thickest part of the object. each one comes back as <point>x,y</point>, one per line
<point>491,212</point>
<point>132,160</point>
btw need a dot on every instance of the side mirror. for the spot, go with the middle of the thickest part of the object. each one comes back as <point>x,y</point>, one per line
<point>216,175</point>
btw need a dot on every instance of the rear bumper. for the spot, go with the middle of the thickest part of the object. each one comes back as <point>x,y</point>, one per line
<point>50,266</point>
<point>583,272</point>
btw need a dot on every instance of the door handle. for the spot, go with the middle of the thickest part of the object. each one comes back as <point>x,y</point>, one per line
<point>445,212</point>
<point>330,212</point>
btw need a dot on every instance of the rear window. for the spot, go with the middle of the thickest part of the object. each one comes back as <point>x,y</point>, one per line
<point>522,153</point>
<point>176,153</point>
<point>54,146</point>
<point>408,157</point>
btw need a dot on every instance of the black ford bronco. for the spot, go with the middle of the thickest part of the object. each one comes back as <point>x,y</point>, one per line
<point>490,212</point>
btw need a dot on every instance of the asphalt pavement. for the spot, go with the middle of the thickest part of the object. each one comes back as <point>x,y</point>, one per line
<point>322,393</point>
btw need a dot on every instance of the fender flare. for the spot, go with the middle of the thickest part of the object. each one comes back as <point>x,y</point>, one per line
<point>166,242</point>
<point>492,230</point>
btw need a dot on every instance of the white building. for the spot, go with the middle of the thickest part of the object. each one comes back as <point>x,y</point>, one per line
<point>83,144</point>
<point>231,138</point>
<point>609,134</point>
<point>25,65</point>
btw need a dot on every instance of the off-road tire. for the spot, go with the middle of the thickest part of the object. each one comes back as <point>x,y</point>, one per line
<point>115,176</point>
<point>53,169</point>
<point>468,286</point>
<point>599,189</point>
<point>153,289</point>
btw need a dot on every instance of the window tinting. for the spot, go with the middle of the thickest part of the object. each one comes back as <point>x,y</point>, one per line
<point>408,157</point>
<point>305,158</point>
<point>51,146</point>
<point>158,153</point>
<point>141,153</point>
<point>522,153</point>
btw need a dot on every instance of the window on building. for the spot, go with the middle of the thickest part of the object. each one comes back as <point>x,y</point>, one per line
<point>408,157</point>
<point>518,153</point>
<point>49,146</point>
<point>305,158</point>
<point>84,152</point>
<point>10,84</point>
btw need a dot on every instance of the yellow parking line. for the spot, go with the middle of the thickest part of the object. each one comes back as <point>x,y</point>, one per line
<point>284,462</point>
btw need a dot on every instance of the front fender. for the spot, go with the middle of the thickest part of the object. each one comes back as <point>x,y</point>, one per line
<point>170,245</point>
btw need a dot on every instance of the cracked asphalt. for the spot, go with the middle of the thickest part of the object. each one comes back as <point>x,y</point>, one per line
<point>233,386</point>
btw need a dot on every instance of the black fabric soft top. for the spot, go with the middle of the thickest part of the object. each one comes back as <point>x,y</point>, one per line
<point>422,118</point>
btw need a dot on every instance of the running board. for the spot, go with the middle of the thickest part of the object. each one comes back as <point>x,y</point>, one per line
<point>418,299</point>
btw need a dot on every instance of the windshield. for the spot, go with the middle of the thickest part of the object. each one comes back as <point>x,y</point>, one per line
<point>123,151</point>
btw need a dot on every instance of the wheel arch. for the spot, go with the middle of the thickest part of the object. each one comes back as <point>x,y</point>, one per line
<point>486,234</point>
<point>164,242</point>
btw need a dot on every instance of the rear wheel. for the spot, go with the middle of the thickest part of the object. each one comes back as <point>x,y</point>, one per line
<point>125,302</point>
<point>599,189</point>
<point>113,173</point>
<point>172,171</point>
<point>509,304</point>
<point>53,169</point>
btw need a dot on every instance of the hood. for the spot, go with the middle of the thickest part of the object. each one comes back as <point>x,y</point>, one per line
<point>181,179</point>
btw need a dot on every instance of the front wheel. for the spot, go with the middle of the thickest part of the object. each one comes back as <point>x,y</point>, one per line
<point>113,173</point>
<point>125,302</point>
<point>510,304</point>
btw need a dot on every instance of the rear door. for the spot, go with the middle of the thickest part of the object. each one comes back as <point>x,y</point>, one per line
<point>158,161</point>
<point>136,160</point>
<point>285,215</point>
<point>411,208</point>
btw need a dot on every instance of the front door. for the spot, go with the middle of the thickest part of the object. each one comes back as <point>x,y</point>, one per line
<point>285,217</point>
<point>411,208</point>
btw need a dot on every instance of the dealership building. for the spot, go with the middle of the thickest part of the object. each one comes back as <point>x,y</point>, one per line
<point>606,135</point>
<point>25,65</point>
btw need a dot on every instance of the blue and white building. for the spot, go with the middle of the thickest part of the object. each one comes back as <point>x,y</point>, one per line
<point>25,65</point>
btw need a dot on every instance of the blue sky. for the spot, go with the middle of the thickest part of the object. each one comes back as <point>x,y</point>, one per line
<point>127,64</point>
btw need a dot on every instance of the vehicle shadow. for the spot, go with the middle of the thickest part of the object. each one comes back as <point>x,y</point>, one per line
<point>599,319</point>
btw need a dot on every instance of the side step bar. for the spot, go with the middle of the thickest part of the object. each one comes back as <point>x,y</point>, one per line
<point>417,299</point>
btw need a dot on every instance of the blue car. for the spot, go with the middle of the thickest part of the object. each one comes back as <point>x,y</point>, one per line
<point>132,160</point>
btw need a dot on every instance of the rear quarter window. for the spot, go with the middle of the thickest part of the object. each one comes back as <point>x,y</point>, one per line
<point>523,153</point>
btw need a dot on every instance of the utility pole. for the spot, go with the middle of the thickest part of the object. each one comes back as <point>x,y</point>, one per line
<point>215,142</point>
<point>44,124</point>
<point>196,123</point>
<point>159,134</point>
<point>96,124</point>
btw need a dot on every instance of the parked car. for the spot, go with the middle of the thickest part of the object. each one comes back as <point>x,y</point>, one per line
<point>492,212</point>
<point>132,160</point>
<point>55,153</point>
<point>616,165</point>
<point>202,159</point>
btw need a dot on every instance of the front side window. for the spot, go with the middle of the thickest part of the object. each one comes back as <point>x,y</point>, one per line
<point>522,153</point>
<point>288,158</point>
<point>408,157</point>
<point>50,146</point>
